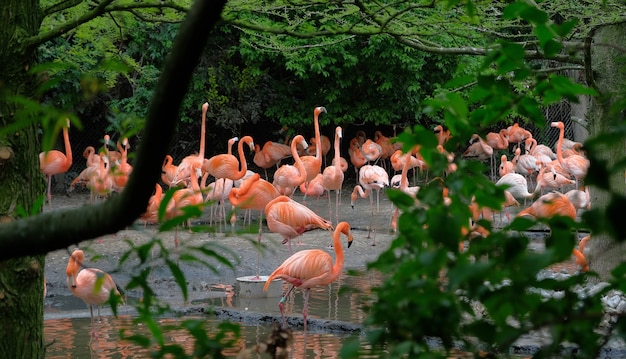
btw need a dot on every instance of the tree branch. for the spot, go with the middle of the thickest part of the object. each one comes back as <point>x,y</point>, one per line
<point>102,8</point>
<point>54,230</point>
<point>60,6</point>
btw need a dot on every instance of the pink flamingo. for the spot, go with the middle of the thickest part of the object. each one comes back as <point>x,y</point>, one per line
<point>442,135</point>
<point>100,182</point>
<point>372,177</point>
<point>168,171</point>
<point>152,211</point>
<point>517,134</point>
<point>576,165</point>
<point>498,140</point>
<point>253,194</point>
<point>315,187</point>
<point>549,178</point>
<point>183,171</point>
<point>290,218</point>
<point>525,164</point>
<point>371,150</point>
<point>92,285</point>
<point>356,155</point>
<point>122,170</point>
<point>311,268</point>
<point>332,177</point>
<point>506,166</point>
<point>191,196</point>
<point>287,177</point>
<point>480,150</point>
<point>270,155</point>
<point>313,164</point>
<point>55,162</point>
<point>228,166</point>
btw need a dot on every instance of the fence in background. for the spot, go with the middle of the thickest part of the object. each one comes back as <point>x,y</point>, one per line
<point>186,142</point>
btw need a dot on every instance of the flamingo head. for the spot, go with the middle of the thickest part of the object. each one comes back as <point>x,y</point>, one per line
<point>557,124</point>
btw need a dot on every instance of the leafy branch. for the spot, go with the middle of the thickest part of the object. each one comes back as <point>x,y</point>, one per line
<point>49,231</point>
<point>102,8</point>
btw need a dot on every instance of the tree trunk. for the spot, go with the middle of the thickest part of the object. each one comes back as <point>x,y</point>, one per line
<point>21,183</point>
<point>607,57</point>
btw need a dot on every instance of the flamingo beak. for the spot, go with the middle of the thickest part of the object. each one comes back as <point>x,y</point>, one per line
<point>71,279</point>
<point>349,240</point>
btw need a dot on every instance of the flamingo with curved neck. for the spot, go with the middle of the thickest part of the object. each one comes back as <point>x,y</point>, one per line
<point>311,268</point>
<point>287,177</point>
<point>228,166</point>
<point>576,165</point>
<point>313,164</point>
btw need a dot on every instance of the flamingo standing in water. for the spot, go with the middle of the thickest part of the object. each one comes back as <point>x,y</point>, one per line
<point>332,177</point>
<point>576,165</point>
<point>290,218</point>
<point>313,164</point>
<point>92,285</point>
<point>288,177</point>
<point>311,268</point>
<point>55,162</point>
<point>371,178</point>
<point>401,182</point>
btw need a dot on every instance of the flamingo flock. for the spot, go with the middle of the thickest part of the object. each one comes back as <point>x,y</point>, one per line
<point>538,169</point>
<point>528,171</point>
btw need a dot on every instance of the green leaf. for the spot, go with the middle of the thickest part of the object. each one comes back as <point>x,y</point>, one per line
<point>179,277</point>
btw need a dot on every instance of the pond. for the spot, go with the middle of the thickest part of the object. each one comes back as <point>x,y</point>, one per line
<point>68,327</point>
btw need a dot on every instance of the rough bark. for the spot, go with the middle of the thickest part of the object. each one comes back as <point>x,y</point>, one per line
<point>609,77</point>
<point>21,279</point>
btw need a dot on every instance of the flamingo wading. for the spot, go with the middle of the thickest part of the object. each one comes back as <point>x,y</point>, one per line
<point>311,268</point>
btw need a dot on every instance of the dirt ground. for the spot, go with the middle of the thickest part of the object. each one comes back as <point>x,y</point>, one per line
<point>238,247</point>
<point>105,252</point>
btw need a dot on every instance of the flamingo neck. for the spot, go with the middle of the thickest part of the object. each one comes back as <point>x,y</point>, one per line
<point>404,181</point>
<point>318,140</point>
<point>337,154</point>
<point>559,144</point>
<point>205,107</point>
<point>68,146</point>
<point>339,256</point>
<point>298,161</point>
<point>242,159</point>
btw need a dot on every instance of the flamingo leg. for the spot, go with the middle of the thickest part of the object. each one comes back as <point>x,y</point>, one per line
<point>49,193</point>
<point>94,323</point>
<point>281,305</point>
<point>258,255</point>
<point>176,237</point>
<point>306,295</point>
